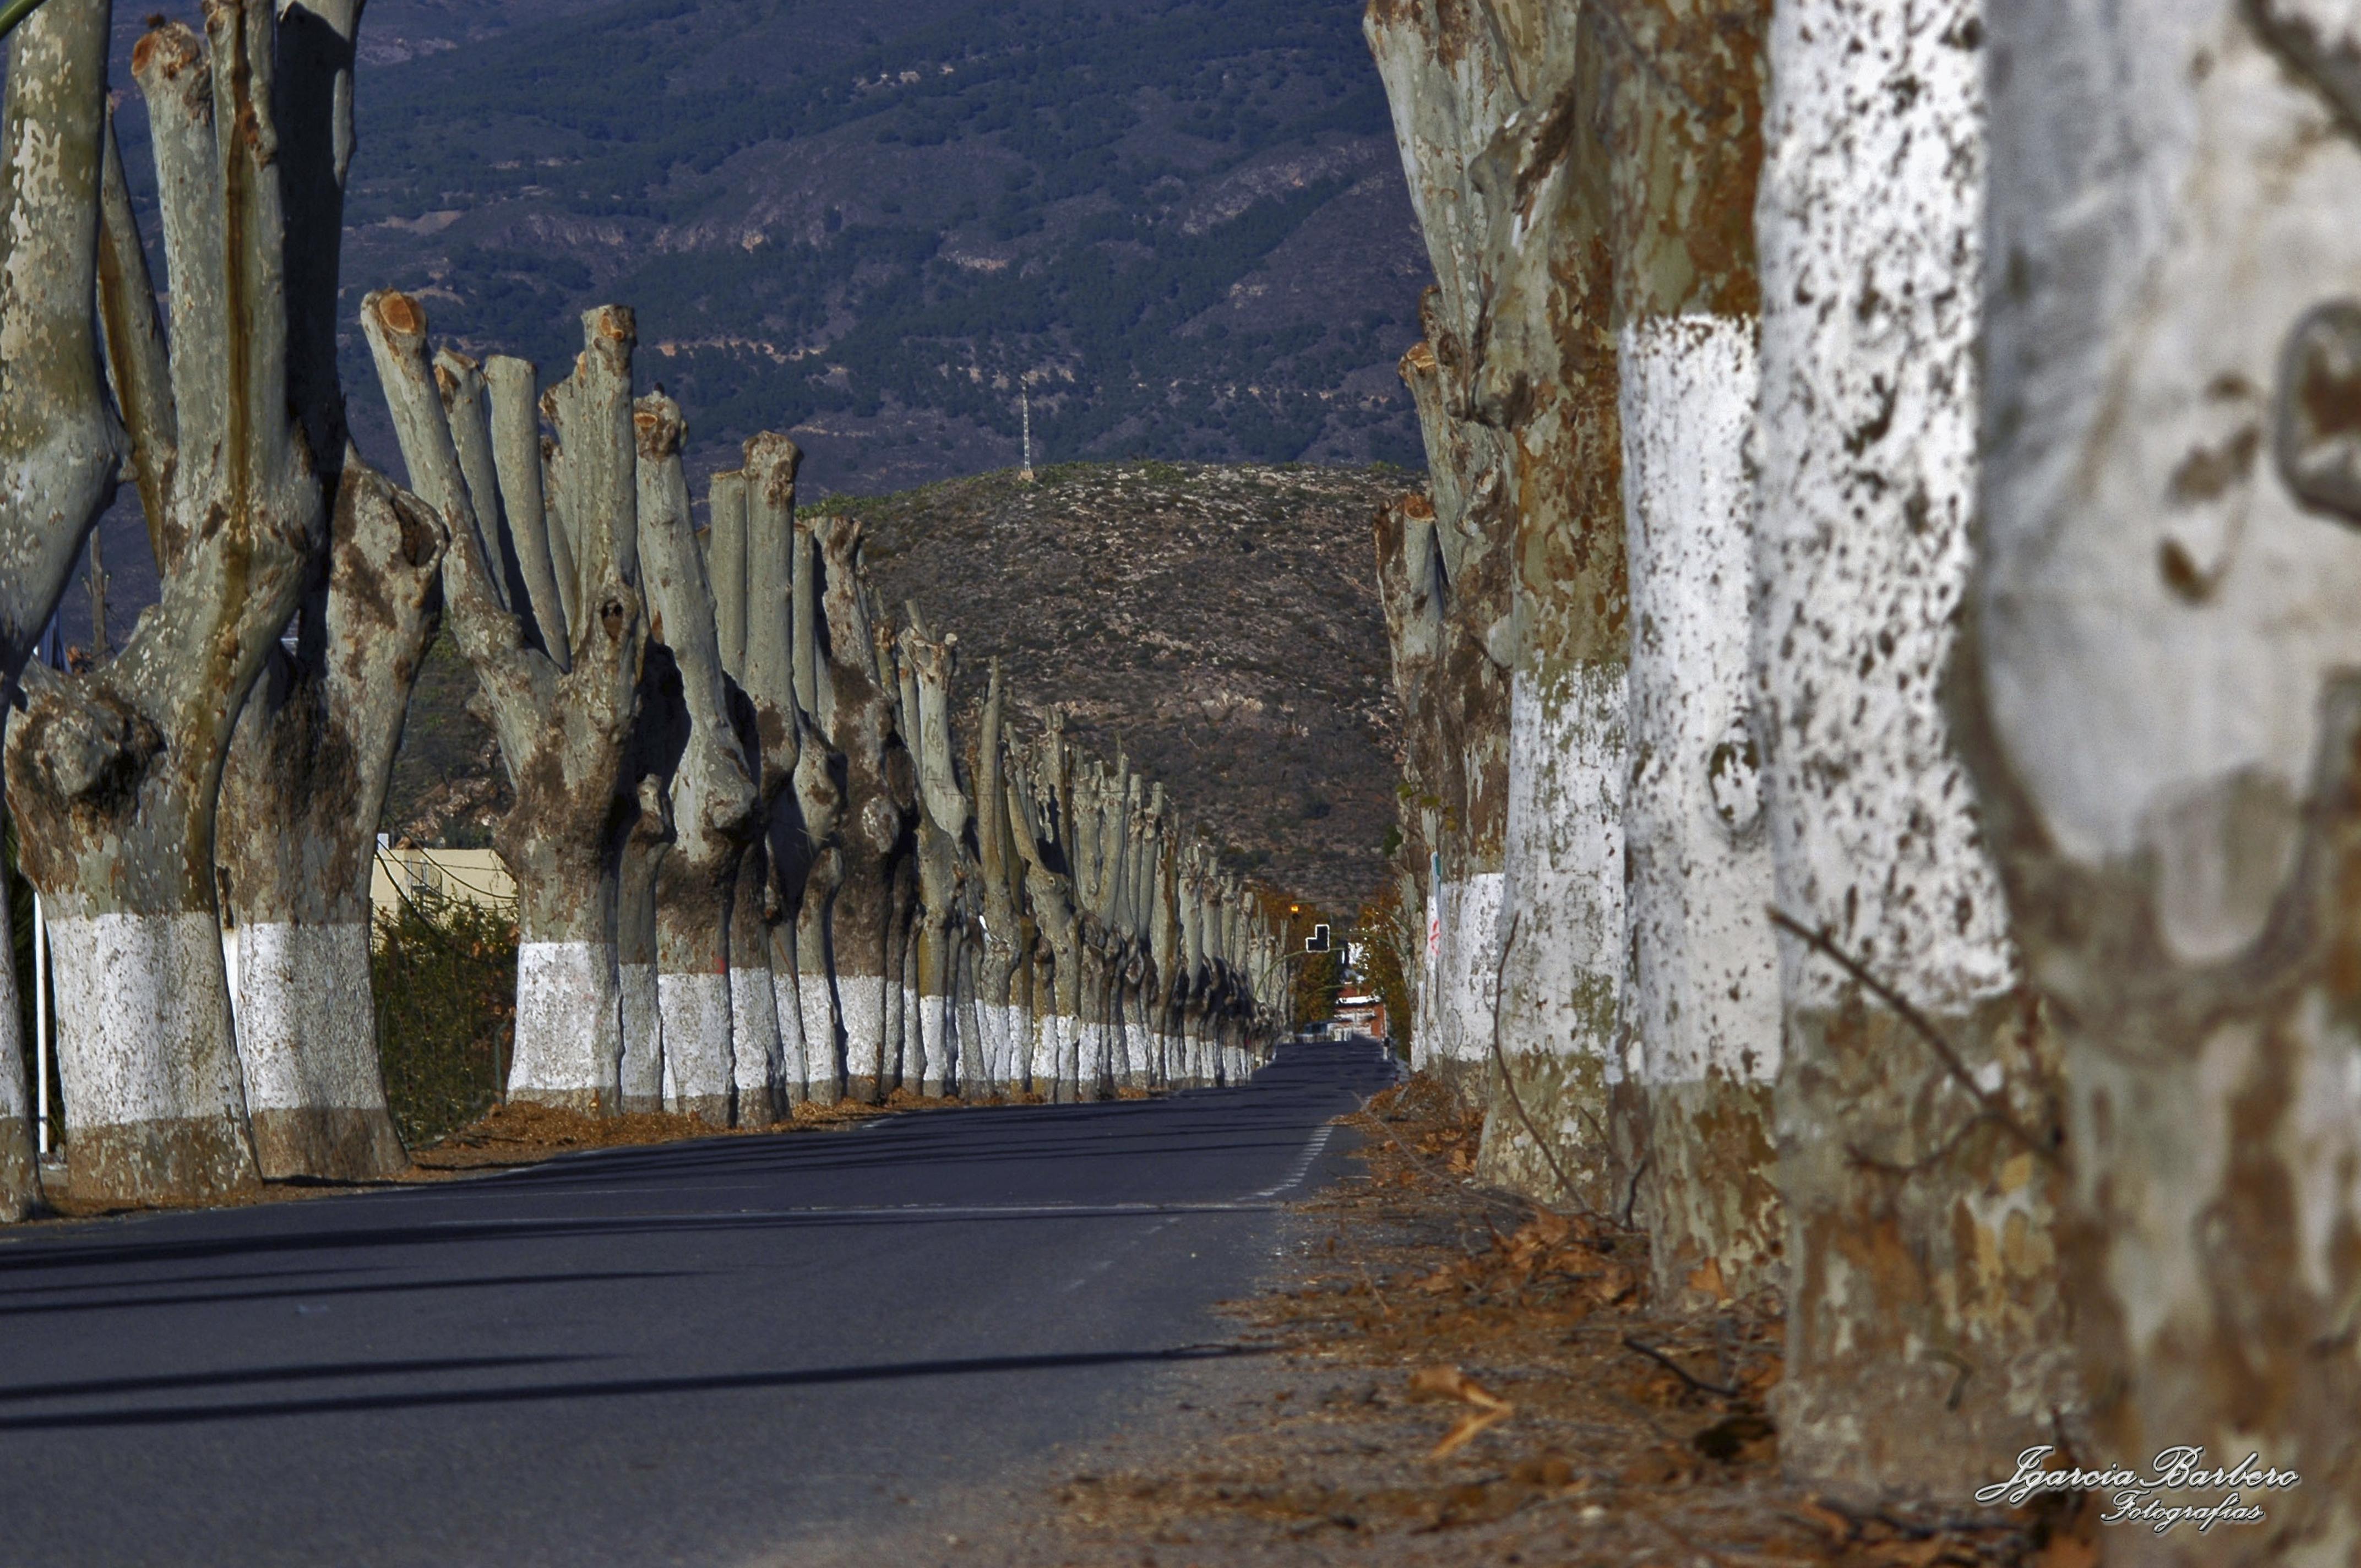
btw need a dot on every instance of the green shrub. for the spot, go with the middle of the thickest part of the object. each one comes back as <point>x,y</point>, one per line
<point>444,974</point>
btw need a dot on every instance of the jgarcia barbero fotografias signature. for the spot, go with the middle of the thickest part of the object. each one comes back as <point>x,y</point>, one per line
<point>2172,1491</point>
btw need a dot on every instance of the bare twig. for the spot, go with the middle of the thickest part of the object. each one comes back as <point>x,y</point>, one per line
<point>1632,1197</point>
<point>1992,1104</point>
<point>1677,1370</point>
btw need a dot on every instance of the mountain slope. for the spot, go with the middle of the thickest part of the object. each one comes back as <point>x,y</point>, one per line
<point>1186,221</point>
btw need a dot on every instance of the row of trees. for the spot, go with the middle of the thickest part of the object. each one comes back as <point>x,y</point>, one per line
<point>1877,664</point>
<point>745,829</point>
<point>753,866</point>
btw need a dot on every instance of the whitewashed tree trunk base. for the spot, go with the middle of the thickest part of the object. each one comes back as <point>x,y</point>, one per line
<point>696,1012</point>
<point>568,1027</point>
<point>1702,1010</point>
<point>862,999</point>
<point>307,1047</point>
<point>642,1068</point>
<point>144,1125</point>
<point>1562,977</point>
<point>823,1073</point>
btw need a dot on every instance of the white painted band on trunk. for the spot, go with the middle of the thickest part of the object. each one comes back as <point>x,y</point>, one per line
<point>306,1018</point>
<point>937,1040</point>
<point>643,1043</point>
<point>1467,967</point>
<point>569,1032</point>
<point>816,1002</point>
<point>862,999</point>
<point>143,1027</point>
<point>697,1012</point>
<point>1872,209</point>
<point>1563,854</point>
<point>1704,992</point>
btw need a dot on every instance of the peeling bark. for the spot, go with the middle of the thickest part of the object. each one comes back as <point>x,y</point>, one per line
<point>301,796</point>
<point>114,774</point>
<point>857,712</point>
<point>57,440</point>
<point>1924,1334</point>
<point>2157,698</point>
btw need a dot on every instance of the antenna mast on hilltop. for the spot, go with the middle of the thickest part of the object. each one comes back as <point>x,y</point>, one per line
<point>1025,409</point>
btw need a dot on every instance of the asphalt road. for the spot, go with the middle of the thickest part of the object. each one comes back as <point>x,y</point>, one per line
<point>696,1353</point>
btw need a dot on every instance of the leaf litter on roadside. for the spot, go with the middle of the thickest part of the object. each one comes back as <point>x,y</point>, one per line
<point>1469,1378</point>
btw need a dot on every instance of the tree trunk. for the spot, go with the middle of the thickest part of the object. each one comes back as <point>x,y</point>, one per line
<point>1925,1335</point>
<point>2157,699</point>
<point>944,813</point>
<point>1701,1017</point>
<point>566,736</point>
<point>999,952</point>
<point>114,774</point>
<point>712,794</point>
<point>300,797</point>
<point>58,441</point>
<point>859,720</point>
<point>1451,92</point>
<point>646,847</point>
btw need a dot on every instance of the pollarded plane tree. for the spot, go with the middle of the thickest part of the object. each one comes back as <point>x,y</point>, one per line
<point>715,812</point>
<point>60,441</point>
<point>114,773</point>
<point>305,780</point>
<point>566,720</point>
<point>945,865</point>
<point>857,704</point>
<point>749,547</point>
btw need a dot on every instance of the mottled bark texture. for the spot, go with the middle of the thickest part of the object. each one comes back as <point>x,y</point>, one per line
<point>114,774</point>
<point>301,796</point>
<point>943,864</point>
<point>58,438</point>
<point>713,800</point>
<point>879,798</point>
<point>565,735</point>
<point>1453,91</point>
<point>1925,1337</point>
<point>308,767</point>
<point>2159,702</point>
<point>1701,1015</point>
<point>1001,948</point>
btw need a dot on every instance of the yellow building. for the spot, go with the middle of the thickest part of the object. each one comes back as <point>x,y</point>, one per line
<point>474,876</point>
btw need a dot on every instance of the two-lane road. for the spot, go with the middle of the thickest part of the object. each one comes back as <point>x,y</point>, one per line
<point>695,1353</point>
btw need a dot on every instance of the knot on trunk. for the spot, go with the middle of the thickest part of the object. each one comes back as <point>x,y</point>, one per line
<point>93,753</point>
<point>881,825</point>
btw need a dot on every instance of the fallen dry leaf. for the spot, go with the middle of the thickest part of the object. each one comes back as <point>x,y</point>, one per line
<point>1450,1383</point>
<point>1473,1422</point>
